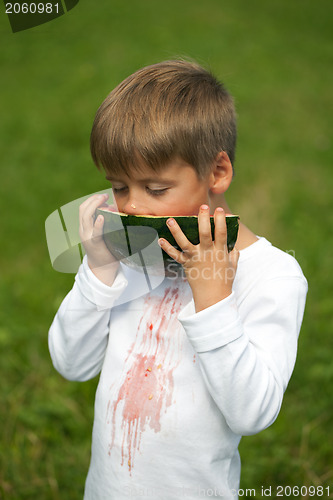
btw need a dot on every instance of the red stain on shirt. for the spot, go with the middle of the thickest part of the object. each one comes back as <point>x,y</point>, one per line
<point>147,388</point>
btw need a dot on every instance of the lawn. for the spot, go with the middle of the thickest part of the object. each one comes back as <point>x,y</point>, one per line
<point>276,58</point>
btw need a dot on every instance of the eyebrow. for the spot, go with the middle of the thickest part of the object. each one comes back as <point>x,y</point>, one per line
<point>145,180</point>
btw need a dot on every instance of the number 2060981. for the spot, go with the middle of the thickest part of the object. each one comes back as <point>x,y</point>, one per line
<point>308,491</point>
<point>32,8</point>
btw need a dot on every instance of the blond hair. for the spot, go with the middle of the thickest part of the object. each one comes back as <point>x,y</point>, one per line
<point>173,109</point>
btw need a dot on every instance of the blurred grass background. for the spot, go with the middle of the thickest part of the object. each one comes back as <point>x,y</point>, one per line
<point>276,58</point>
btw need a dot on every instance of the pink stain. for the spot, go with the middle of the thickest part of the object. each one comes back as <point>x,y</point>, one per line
<point>147,388</point>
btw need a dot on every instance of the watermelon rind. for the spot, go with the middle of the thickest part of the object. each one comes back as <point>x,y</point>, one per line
<point>125,235</point>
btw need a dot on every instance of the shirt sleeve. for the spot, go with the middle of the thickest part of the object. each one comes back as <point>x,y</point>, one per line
<point>247,353</point>
<point>78,335</point>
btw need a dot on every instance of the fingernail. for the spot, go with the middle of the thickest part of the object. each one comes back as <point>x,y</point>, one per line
<point>204,207</point>
<point>161,242</point>
<point>219,209</point>
<point>170,222</point>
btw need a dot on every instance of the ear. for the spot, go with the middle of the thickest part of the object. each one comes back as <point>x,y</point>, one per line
<point>221,174</point>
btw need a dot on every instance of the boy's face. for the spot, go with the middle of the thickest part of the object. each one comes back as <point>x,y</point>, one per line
<point>176,190</point>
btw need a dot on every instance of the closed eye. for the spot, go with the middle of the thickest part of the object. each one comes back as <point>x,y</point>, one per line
<point>156,192</point>
<point>152,192</point>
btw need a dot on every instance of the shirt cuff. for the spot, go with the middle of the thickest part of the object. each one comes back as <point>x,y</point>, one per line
<point>97,292</point>
<point>221,320</point>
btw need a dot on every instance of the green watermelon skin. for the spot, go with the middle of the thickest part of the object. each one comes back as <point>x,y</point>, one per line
<point>126,235</point>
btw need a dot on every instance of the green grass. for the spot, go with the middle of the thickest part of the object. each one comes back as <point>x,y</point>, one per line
<point>276,59</point>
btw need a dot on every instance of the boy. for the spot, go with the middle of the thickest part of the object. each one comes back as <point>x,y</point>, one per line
<point>204,358</point>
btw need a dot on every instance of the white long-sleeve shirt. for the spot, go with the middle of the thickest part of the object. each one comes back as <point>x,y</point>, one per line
<point>178,389</point>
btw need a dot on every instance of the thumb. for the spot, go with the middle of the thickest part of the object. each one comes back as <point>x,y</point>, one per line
<point>98,227</point>
<point>234,256</point>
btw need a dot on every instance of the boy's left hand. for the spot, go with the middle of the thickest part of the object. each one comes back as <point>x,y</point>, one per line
<point>210,269</point>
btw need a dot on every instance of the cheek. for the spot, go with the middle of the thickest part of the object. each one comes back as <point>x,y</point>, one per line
<point>184,208</point>
<point>186,203</point>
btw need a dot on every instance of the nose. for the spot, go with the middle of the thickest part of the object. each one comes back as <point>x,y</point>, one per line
<point>129,208</point>
<point>132,207</point>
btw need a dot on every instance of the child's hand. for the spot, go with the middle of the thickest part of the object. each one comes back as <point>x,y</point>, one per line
<point>100,260</point>
<point>209,268</point>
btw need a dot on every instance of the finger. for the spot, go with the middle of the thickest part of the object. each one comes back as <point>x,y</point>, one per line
<point>97,232</point>
<point>220,229</point>
<point>88,208</point>
<point>95,199</point>
<point>205,231</point>
<point>179,236</point>
<point>171,251</point>
<point>234,257</point>
<point>111,208</point>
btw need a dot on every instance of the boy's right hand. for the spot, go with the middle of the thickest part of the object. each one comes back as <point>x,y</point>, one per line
<point>100,260</point>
